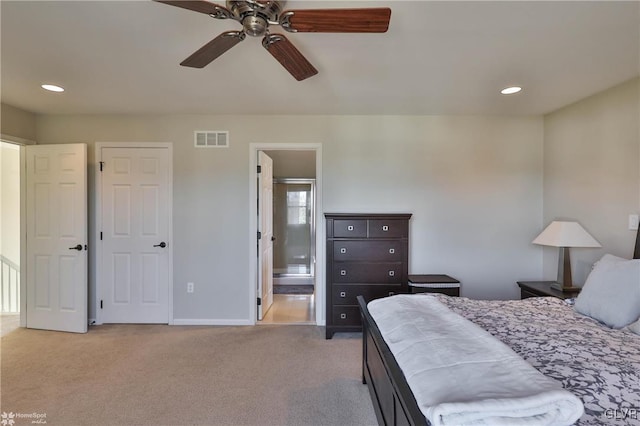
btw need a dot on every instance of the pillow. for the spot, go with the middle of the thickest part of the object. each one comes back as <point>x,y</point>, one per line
<point>635,327</point>
<point>611,293</point>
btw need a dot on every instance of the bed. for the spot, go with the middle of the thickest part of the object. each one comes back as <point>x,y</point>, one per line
<point>592,361</point>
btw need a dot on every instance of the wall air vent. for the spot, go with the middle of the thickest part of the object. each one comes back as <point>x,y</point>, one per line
<point>211,139</point>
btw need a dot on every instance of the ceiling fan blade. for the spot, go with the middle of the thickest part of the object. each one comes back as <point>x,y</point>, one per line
<point>202,6</point>
<point>213,49</point>
<point>374,20</point>
<point>288,56</point>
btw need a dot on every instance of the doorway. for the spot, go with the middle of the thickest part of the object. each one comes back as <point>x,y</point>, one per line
<point>293,252</point>
<point>296,200</point>
<point>9,236</point>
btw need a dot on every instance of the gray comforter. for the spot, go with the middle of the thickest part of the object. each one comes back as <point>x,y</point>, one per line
<point>598,364</point>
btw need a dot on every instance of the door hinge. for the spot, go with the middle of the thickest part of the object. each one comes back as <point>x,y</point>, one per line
<point>259,169</point>
<point>101,304</point>
<point>259,235</point>
<point>259,301</point>
<point>101,165</point>
<point>100,235</point>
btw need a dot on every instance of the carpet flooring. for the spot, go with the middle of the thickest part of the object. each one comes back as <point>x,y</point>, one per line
<point>179,375</point>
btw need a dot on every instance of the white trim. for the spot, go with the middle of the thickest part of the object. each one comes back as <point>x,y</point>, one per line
<point>320,224</point>
<point>16,140</point>
<point>23,236</point>
<point>97,248</point>
<point>187,321</point>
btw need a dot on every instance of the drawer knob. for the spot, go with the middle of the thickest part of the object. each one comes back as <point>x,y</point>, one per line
<point>385,228</point>
<point>343,294</point>
<point>391,251</point>
<point>350,228</point>
<point>343,316</point>
<point>343,250</point>
<point>392,273</point>
<point>343,272</point>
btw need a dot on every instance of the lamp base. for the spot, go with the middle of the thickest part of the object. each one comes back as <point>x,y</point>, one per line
<point>568,289</point>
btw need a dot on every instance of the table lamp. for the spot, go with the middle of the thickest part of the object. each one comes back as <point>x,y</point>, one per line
<point>565,235</point>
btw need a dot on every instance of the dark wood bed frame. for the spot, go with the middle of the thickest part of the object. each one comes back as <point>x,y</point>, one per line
<point>392,398</point>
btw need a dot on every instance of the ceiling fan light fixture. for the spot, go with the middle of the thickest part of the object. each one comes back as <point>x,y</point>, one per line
<point>511,90</point>
<point>52,88</point>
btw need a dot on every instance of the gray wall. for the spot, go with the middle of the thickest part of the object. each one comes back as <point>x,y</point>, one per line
<point>17,122</point>
<point>473,184</point>
<point>293,164</point>
<point>592,173</point>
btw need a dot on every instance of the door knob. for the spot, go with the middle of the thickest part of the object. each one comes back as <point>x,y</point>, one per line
<point>78,247</point>
<point>161,245</point>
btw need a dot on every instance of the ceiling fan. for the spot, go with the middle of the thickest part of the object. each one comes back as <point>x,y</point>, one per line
<point>256,16</point>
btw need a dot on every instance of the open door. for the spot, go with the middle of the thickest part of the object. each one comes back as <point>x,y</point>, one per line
<point>265,234</point>
<point>56,244</point>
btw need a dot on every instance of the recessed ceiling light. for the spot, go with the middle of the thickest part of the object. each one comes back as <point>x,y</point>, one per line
<point>511,90</point>
<point>52,88</point>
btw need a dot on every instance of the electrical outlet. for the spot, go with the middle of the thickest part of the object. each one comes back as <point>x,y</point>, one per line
<point>633,222</point>
<point>190,287</point>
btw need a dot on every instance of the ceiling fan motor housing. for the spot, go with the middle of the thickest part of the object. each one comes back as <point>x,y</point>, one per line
<point>255,15</point>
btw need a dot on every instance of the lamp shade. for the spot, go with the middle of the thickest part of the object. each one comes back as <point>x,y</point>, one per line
<point>565,234</point>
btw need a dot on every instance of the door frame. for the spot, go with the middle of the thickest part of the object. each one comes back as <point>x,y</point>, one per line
<point>96,248</point>
<point>253,225</point>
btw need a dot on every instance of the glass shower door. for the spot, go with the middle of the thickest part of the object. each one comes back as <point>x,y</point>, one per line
<point>294,228</point>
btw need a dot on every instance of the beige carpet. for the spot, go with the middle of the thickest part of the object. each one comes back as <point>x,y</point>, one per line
<point>163,375</point>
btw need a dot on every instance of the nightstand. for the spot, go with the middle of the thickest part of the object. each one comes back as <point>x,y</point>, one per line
<point>434,283</point>
<point>543,289</point>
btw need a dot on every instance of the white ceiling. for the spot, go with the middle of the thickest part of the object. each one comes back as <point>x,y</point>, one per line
<point>445,57</point>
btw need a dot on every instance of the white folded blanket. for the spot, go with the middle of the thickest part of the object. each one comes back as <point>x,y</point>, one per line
<point>462,375</point>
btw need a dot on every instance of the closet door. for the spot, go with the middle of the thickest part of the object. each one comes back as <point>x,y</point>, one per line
<point>135,226</point>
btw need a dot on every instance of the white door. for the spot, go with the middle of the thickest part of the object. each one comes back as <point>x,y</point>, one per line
<point>265,227</point>
<point>135,218</point>
<point>56,264</point>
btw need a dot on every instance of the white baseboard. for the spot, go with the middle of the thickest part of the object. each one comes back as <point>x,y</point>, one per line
<point>188,321</point>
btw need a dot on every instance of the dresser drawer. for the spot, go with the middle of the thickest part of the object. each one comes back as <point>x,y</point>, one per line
<point>370,273</point>
<point>346,294</point>
<point>346,315</point>
<point>381,228</point>
<point>344,228</point>
<point>385,251</point>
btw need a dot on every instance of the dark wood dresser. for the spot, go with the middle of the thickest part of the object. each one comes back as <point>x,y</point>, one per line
<point>367,255</point>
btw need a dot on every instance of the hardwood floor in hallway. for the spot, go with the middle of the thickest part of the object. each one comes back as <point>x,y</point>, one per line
<point>291,309</point>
